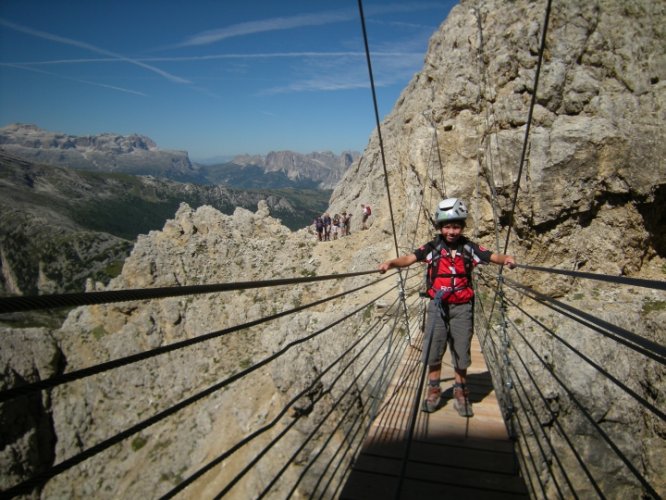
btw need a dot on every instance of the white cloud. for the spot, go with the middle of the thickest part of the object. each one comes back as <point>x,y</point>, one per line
<point>285,23</point>
<point>92,48</point>
<point>264,25</point>
<point>79,80</point>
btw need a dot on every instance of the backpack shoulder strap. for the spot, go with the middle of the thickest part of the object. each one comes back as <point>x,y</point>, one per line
<point>433,265</point>
<point>467,253</point>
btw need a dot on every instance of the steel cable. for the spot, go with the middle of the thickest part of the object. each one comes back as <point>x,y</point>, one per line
<point>30,303</point>
<point>318,378</point>
<point>354,452</point>
<point>378,388</point>
<point>332,407</point>
<point>414,415</point>
<point>389,420</point>
<point>515,417</point>
<point>572,397</point>
<point>532,460</point>
<point>623,280</point>
<point>117,363</point>
<point>70,462</point>
<point>528,124</point>
<point>527,402</point>
<point>401,378</point>
<point>341,420</point>
<point>646,404</point>
<point>377,122</point>
<point>557,424</point>
<point>636,342</point>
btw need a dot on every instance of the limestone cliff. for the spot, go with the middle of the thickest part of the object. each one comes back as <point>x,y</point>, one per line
<point>591,196</point>
<point>133,154</point>
<point>594,160</point>
<point>321,169</point>
<point>196,247</point>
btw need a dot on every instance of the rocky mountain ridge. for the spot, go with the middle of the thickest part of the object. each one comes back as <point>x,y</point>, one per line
<point>31,136</point>
<point>133,154</point>
<point>59,226</point>
<point>324,169</point>
<point>139,155</point>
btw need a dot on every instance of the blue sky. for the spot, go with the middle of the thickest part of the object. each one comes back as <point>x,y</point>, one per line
<point>214,77</point>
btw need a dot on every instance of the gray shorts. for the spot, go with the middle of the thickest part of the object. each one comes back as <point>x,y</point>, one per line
<point>453,325</point>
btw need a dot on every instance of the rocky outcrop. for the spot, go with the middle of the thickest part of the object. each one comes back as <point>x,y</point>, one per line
<point>196,247</point>
<point>323,169</point>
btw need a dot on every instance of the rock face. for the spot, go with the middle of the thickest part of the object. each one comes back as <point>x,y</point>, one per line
<point>592,150</point>
<point>196,247</point>
<point>322,170</point>
<point>28,440</point>
<point>590,197</point>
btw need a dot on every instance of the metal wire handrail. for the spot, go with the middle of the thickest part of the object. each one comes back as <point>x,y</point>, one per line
<point>42,477</point>
<point>592,323</point>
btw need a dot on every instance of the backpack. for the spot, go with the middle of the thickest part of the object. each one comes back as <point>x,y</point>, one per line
<point>368,210</point>
<point>464,249</point>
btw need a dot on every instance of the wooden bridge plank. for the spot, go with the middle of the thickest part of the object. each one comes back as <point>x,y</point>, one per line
<point>449,455</point>
<point>467,473</point>
<point>365,486</point>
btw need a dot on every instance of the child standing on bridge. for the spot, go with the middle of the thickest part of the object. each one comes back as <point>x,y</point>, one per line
<point>450,258</point>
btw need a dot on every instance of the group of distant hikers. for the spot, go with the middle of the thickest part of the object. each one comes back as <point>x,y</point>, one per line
<point>327,228</point>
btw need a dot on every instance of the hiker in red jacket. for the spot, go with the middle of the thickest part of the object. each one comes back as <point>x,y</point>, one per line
<point>450,258</point>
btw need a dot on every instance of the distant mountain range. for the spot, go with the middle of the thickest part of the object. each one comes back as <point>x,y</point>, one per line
<point>139,155</point>
<point>71,207</point>
<point>132,154</point>
<point>60,226</point>
<point>322,170</point>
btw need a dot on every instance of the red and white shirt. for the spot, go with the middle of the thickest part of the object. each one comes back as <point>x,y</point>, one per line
<point>451,275</point>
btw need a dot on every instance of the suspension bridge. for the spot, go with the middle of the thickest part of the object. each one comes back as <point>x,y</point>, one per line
<point>366,435</point>
<point>378,441</point>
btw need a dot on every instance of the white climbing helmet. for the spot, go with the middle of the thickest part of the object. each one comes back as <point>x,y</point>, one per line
<point>450,210</point>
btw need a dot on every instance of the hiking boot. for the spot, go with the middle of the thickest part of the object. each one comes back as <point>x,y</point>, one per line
<point>433,399</point>
<point>461,401</point>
